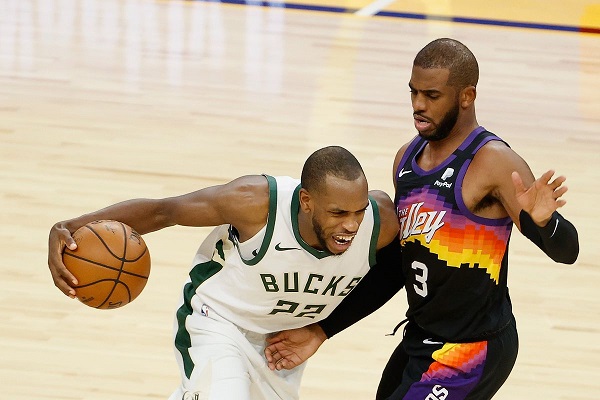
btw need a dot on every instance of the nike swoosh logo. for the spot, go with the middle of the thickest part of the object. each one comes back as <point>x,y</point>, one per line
<point>555,227</point>
<point>429,341</point>
<point>403,172</point>
<point>279,248</point>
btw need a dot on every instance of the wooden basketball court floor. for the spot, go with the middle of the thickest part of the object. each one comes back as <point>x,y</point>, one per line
<point>104,100</point>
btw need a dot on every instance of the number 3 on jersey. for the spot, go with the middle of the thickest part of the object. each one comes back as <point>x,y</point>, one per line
<point>420,278</point>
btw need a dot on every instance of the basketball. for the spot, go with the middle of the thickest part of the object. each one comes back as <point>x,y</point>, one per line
<point>111,264</point>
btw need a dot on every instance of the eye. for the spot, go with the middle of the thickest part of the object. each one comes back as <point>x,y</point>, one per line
<point>338,213</point>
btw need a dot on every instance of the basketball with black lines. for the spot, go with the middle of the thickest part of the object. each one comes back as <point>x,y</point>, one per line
<point>111,264</point>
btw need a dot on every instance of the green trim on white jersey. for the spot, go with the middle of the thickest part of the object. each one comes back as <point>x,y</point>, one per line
<point>270,223</point>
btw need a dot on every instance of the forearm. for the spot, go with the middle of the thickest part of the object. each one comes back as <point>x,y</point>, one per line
<point>143,215</point>
<point>378,286</point>
<point>558,238</point>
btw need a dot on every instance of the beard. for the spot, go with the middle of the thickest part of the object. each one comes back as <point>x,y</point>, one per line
<point>445,126</point>
<point>321,238</point>
<point>320,235</point>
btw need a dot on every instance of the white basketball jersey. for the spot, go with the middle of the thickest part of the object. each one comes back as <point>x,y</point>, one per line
<point>275,281</point>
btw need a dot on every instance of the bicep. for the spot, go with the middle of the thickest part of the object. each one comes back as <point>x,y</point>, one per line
<point>238,202</point>
<point>503,162</point>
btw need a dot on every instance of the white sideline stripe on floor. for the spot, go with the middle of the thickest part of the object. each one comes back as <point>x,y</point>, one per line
<point>374,7</point>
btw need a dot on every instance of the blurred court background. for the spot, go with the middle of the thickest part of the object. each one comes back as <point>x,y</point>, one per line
<point>106,100</point>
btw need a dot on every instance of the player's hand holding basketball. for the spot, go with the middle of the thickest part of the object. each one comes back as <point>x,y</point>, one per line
<point>106,261</point>
<point>59,238</point>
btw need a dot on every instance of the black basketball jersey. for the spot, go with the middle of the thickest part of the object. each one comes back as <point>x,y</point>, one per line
<point>455,262</point>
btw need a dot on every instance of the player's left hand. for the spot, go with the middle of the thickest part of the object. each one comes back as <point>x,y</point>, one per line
<point>542,198</point>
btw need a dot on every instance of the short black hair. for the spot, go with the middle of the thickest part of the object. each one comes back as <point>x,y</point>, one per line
<point>332,160</point>
<point>450,54</point>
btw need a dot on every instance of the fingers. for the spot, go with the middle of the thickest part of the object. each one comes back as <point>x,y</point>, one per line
<point>555,185</point>
<point>546,176</point>
<point>272,354</point>
<point>275,361</point>
<point>283,363</point>
<point>63,279</point>
<point>269,352</point>
<point>70,243</point>
<point>518,182</point>
<point>278,362</point>
<point>560,192</point>
<point>558,181</point>
<point>558,189</point>
<point>57,266</point>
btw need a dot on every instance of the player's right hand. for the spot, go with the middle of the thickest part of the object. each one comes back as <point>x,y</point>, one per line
<point>290,348</point>
<point>59,238</point>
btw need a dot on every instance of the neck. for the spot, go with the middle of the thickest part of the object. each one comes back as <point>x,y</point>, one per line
<point>438,151</point>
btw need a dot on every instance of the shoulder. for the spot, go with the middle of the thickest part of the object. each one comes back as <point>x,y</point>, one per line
<point>400,154</point>
<point>496,157</point>
<point>252,188</point>
<point>493,166</point>
<point>387,216</point>
<point>246,201</point>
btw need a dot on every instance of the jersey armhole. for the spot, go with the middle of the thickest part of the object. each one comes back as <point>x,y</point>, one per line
<point>270,223</point>
<point>460,202</point>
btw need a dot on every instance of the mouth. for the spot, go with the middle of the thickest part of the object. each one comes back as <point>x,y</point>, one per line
<point>421,123</point>
<point>343,239</point>
<point>342,242</point>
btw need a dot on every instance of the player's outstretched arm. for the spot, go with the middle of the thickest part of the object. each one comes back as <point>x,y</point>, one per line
<point>531,203</point>
<point>210,206</point>
<point>290,348</point>
<point>143,215</point>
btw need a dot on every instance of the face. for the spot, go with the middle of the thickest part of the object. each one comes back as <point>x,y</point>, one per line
<point>435,104</point>
<point>336,212</point>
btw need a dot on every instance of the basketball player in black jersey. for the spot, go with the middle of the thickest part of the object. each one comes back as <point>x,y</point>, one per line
<point>459,190</point>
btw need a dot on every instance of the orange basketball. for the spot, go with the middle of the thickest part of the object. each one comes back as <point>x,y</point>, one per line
<point>111,264</point>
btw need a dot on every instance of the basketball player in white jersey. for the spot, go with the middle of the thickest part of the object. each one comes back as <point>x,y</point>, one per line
<point>283,255</point>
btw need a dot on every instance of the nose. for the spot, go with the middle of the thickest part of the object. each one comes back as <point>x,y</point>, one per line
<point>418,103</point>
<point>351,224</point>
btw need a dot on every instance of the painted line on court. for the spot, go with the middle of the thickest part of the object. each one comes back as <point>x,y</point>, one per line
<point>393,14</point>
<point>374,7</point>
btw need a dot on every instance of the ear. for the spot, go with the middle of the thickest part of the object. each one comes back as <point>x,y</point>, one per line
<point>467,96</point>
<point>305,200</point>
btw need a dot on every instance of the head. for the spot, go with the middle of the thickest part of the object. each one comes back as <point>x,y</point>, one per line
<point>443,88</point>
<point>333,199</point>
